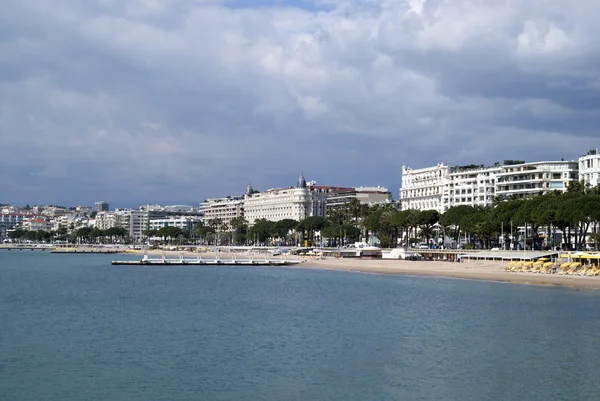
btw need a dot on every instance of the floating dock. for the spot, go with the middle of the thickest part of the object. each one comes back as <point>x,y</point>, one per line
<point>78,251</point>
<point>205,262</point>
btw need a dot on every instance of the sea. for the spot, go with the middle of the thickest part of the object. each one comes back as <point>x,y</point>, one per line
<point>74,327</point>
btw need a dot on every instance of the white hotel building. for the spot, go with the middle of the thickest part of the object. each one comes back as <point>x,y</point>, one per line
<point>296,203</point>
<point>423,189</point>
<point>471,186</point>
<point>529,179</point>
<point>442,187</point>
<point>589,169</point>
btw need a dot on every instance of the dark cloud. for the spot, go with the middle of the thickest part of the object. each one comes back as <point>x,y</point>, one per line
<point>171,101</point>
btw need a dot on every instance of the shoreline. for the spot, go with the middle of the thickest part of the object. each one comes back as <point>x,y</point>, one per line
<point>489,272</point>
<point>479,271</point>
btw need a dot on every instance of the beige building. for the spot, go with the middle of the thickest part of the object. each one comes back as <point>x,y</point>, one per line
<point>296,203</point>
<point>225,209</point>
<point>105,220</point>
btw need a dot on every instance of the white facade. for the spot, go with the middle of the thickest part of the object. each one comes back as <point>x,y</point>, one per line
<point>225,209</point>
<point>589,169</point>
<point>37,224</point>
<point>8,222</point>
<point>134,221</point>
<point>182,222</point>
<point>470,186</point>
<point>423,189</point>
<point>295,203</point>
<point>11,220</point>
<point>105,220</point>
<point>529,179</point>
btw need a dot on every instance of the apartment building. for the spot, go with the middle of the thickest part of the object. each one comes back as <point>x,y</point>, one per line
<point>183,222</point>
<point>225,209</point>
<point>134,221</point>
<point>9,221</point>
<point>471,186</point>
<point>37,224</point>
<point>524,180</point>
<point>105,220</point>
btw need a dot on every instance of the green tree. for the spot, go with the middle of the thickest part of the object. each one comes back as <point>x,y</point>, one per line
<point>261,232</point>
<point>284,228</point>
<point>426,220</point>
<point>239,227</point>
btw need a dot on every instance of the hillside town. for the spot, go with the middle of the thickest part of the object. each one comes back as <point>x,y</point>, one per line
<point>479,206</point>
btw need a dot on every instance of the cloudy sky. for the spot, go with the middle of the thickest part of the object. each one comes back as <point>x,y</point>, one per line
<point>173,101</point>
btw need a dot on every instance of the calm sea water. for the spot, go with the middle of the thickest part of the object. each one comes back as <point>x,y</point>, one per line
<point>73,327</point>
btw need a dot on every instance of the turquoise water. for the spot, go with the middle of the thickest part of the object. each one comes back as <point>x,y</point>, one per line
<point>73,327</point>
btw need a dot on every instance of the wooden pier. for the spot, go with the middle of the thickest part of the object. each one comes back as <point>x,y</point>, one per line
<point>205,262</point>
<point>85,250</point>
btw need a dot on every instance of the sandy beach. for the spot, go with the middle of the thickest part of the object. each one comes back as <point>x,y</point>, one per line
<point>469,271</point>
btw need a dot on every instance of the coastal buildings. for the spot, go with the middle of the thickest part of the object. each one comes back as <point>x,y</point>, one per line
<point>528,179</point>
<point>423,189</point>
<point>589,169</point>
<point>294,203</point>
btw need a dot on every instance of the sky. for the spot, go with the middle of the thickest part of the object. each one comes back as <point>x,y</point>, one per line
<point>175,101</point>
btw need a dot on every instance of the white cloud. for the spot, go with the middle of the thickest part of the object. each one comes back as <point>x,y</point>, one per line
<point>199,97</point>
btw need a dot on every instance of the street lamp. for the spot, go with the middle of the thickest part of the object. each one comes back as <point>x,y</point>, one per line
<point>438,226</point>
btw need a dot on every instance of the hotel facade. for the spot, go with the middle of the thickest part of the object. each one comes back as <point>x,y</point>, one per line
<point>528,179</point>
<point>471,186</point>
<point>295,203</point>
<point>442,187</point>
<point>423,189</point>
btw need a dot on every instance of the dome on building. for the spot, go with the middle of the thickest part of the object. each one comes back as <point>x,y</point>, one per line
<point>301,182</point>
<point>249,190</point>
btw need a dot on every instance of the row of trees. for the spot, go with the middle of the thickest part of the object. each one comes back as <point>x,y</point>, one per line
<point>81,235</point>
